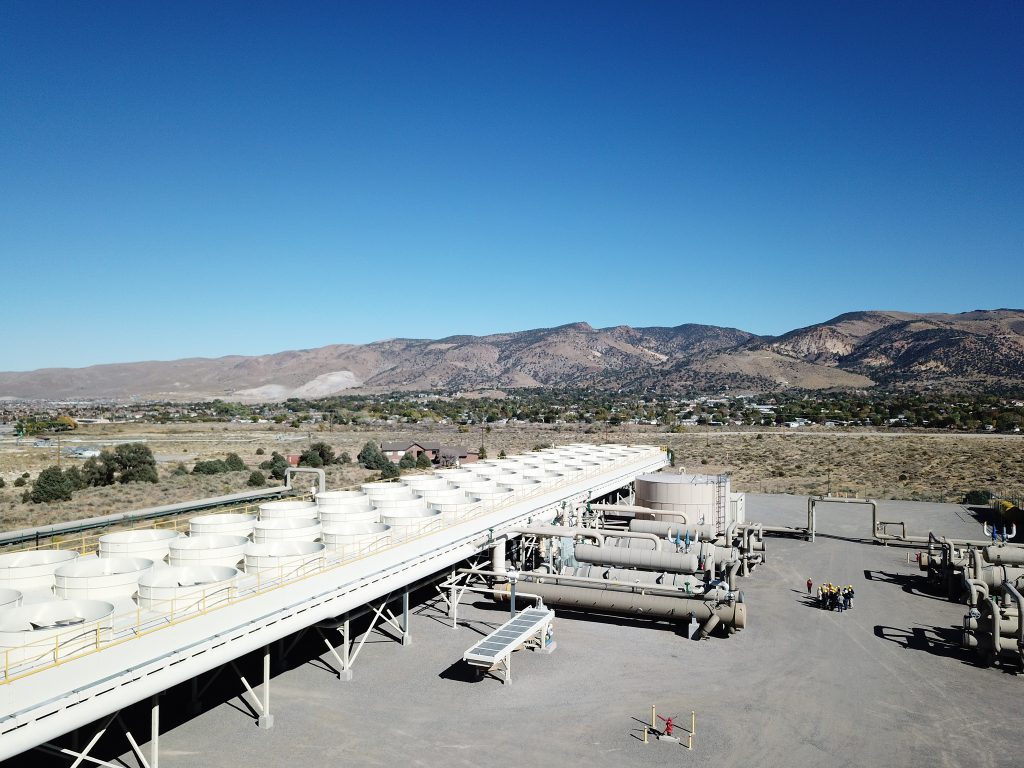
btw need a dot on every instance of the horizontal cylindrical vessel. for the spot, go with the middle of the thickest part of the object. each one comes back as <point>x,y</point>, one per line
<point>100,578</point>
<point>355,539</point>
<point>732,614</point>
<point>33,569</point>
<point>208,550</point>
<point>180,589</point>
<point>227,524</point>
<point>646,559</point>
<point>286,529</point>
<point>1004,555</point>
<point>283,510</point>
<point>284,559</point>
<point>149,543</point>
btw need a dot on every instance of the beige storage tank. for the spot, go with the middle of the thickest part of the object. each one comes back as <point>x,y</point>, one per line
<point>699,497</point>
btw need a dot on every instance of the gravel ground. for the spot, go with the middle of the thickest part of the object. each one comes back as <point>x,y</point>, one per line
<point>881,685</point>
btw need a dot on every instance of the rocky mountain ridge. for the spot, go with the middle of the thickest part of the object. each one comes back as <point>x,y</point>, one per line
<point>983,349</point>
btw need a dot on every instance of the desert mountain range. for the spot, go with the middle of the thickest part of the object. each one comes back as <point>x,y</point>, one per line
<point>978,350</point>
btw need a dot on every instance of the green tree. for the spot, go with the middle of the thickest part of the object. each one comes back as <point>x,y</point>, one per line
<point>344,458</point>
<point>99,470</point>
<point>317,452</point>
<point>408,461</point>
<point>371,457</point>
<point>502,454</point>
<point>423,461</point>
<point>234,463</point>
<point>310,458</point>
<point>389,470</point>
<point>51,485</point>
<point>74,474</point>
<point>278,466</point>
<point>256,480</point>
<point>134,463</point>
<point>482,453</point>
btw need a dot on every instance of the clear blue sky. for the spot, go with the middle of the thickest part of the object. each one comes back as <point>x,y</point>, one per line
<point>183,179</point>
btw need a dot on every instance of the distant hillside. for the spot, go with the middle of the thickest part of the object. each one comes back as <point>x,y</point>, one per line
<point>980,349</point>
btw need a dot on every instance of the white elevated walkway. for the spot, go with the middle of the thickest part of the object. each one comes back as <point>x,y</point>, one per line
<point>147,653</point>
<point>496,649</point>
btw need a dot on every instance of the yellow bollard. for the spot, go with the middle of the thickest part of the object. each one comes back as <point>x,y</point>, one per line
<point>693,721</point>
<point>689,741</point>
<point>653,722</point>
<point>645,734</point>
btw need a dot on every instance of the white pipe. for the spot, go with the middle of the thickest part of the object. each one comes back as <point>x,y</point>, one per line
<point>498,556</point>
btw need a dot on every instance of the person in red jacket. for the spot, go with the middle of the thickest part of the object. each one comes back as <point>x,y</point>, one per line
<point>809,585</point>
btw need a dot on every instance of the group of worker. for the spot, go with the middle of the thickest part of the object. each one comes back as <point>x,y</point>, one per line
<point>832,597</point>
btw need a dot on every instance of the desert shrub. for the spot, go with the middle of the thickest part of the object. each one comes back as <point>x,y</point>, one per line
<point>256,480</point>
<point>344,458</point>
<point>20,482</point>
<point>213,467</point>
<point>260,452</point>
<point>51,485</point>
<point>977,498</point>
<point>234,463</point>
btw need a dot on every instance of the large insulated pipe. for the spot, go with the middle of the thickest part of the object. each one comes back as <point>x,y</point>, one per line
<point>646,559</point>
<point>732,614</point>
<point>632,509</point>
<point>1004,555</point>
<point>321,477</point>
<point>672,530</point>
<point>556,531</point>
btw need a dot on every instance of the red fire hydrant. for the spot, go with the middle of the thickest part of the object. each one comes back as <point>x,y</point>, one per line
<point>668,724</point>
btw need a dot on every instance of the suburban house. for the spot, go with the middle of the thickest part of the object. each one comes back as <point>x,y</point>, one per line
<point>439,455</point>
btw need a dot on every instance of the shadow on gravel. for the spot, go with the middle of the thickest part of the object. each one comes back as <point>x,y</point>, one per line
<point>462,672</point>
<point>911,584</point>
<point>938,641</point>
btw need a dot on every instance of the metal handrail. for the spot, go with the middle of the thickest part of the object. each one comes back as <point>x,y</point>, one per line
<point>152,622</point>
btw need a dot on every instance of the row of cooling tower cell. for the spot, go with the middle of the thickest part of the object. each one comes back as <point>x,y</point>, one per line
<point>48,592</point>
